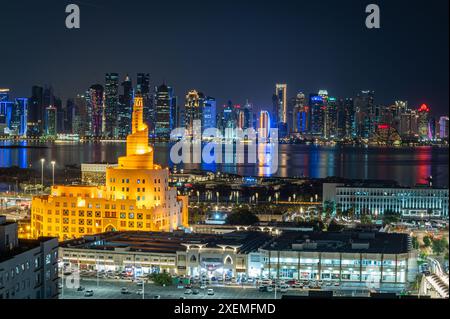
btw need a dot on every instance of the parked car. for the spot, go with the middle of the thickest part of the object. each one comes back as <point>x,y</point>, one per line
<point>262,288</point>
<point>124,291</point>
<point>284,288</point>
<point>211,292</point>
<point>80,288</point>
<point>188,291</point>
<point>195,292</point>
<point>156,297</point>
<point>89,293</point>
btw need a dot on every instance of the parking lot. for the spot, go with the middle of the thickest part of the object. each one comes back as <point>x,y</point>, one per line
<point>111,289</point>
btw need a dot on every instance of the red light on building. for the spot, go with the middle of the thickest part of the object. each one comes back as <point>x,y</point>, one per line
<point>424,108</point>
<point>383,126</point>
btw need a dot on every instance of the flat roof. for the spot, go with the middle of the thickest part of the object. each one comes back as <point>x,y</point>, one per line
<point>341,242</point>
<point>165,242</point>
<point>24,246</point>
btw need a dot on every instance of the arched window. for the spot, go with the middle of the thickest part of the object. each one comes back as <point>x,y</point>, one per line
<point>228,261</point>
<point>193,259</point>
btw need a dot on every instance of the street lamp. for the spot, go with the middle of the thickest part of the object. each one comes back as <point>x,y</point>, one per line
<point>42,172</point>
<point>53,172</point>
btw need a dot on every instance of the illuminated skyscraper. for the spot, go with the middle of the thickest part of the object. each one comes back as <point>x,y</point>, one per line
<point>136,196</point>
<point>299,108</point>
<point>36,112</point>
<point>125,107</point>
<point>50,121</point>
<point>6,110</point>
<point>20,116</point>
<point>193,108</point>
<point>364,113</point>
<point>331,118</point>
<point>81,121</point>
<point>345,118</point>
<point>264,125</point>
<point>423,113</point>
<point>96,108</point>
<point>111,105</point>
<point>280,104</point>
<point>317,115</point>
<point>209,113</point>
<point>163,106</point>
<point>443,127</point>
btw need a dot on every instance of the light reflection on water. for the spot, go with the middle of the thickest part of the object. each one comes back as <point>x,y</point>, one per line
<point>406,165</point>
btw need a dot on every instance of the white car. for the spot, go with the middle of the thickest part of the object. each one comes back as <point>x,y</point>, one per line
<point>210,292</point>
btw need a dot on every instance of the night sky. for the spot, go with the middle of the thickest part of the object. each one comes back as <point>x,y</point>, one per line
<point>234,49</point>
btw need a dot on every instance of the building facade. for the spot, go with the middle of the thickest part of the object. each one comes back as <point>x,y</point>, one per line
<point>136,196</point>
<point>28,268</point>
<point>344,257</point>
<point>349,257</point>
<point>410,202</point>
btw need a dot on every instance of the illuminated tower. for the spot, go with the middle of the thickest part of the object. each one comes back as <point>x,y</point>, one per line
<point>423,112</point>
<point>193,109</point>
<point>280,101</point>
<point>111,104</point>
<point>136,196</point>
<point>163,114</point>
<point>264,125</point>
<point>96,108</point>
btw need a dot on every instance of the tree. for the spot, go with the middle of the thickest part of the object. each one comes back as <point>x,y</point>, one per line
<point>439,246</point>
<point>415,243</point>
<point>366,219</point>
<point>426,241</point>
<point>390,217</point>
<point>328,208</point>
<point>242,216</point>
<point>161,279</point>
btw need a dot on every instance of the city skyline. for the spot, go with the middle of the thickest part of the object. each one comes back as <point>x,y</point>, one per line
<point>242,66</point>
<point>225,150</point>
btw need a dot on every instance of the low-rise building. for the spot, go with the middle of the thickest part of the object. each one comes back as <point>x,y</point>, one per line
<point>177,253</point>
<point>417,201</point>
<point>28,268</point>
<point>349,256</point>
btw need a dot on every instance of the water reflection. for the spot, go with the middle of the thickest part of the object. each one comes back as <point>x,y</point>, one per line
<point>406,165</point>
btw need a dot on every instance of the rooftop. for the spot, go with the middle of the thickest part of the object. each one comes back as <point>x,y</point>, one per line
<point>341,242</point>
<point>24,246</point>
<point>165,242</point>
